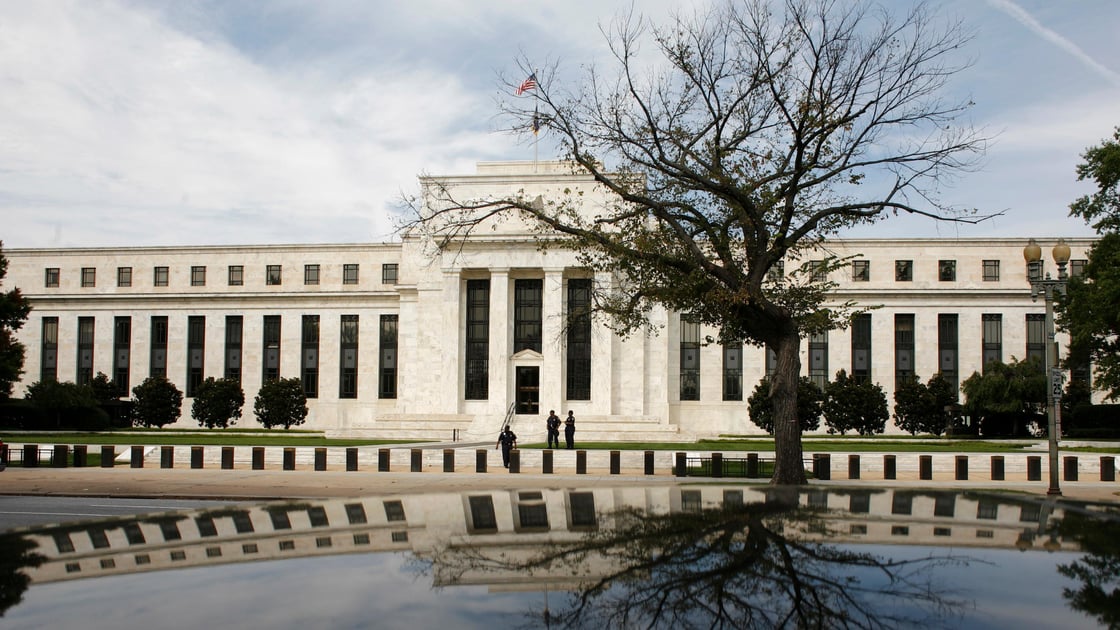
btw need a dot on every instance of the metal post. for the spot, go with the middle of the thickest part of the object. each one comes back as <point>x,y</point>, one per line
<point>1052,409</point>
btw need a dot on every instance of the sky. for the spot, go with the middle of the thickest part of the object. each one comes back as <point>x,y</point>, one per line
<point>217,122</point>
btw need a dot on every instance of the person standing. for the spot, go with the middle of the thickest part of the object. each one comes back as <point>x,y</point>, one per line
<point>553,426</point>
<point>507,440</point>
<point>569,431</point>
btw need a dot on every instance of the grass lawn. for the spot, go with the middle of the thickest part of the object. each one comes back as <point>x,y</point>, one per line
<point>215,437</point>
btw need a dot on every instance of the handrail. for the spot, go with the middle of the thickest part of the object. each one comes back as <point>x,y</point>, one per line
<point>509,415</point>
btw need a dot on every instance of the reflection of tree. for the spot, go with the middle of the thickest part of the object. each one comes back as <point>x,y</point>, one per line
<point>16,554</point>
<point>741,566</point>
<point>1098,571</point>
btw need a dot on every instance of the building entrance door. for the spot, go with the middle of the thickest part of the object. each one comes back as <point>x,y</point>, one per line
<point>528,379</point>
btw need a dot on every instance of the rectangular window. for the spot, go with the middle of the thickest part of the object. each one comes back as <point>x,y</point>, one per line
<point>309,357</point>
<point>903,348</point>
<point>51,277</point>
<point>350,274</point>
<point>157,365</point>
<point>579,339</point>
<point>272,276</point>
<point>818,270</point>
<point>777,271</point>
<point>236,275</point>
<point>387,384</point>
<point>85,351</point>
<point>389,273</point>
<point>1036,338</point>
<point>122,354</point>
<point>861,271</point>
<point>947,270</point>
<point>771,361</point>
<point>198,276</point>
<point>270,366</point>
<point>527,312</point>
<point>478,340</point>
<point>310,274</point>
<point>1035,269</point>
<point>991,271</point>
<point>89,276</point>
<point>48,366</point>
<point>124,276</point>
<point>947,346</point>
<point>1077,267</point>
<point>903,270</point>
<point>235,328</point>
<point>159,277</point>
<point>861,347</point>
<point>690,357</point>
<point>733,371</point>
<point>992,335</point>
<point>818,358</point>
<point>196,352</point>
<point>348,353</point>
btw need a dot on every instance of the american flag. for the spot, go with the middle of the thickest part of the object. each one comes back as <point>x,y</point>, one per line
<point>526,85</point>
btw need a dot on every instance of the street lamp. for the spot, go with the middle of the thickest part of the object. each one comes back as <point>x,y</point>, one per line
<point>1048,287</point>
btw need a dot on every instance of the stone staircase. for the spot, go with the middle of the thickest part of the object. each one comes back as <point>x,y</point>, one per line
<point>453,427</point>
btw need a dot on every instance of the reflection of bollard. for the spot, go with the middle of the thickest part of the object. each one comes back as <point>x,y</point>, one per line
<point>648,463</point>
<point>752,465</point>
<point>1108,468</point>
<point>416,459</point>
<point>1034,468</point>
<point>925,467</point>
<point>1070,463</point>
<point>80,458</point>
<point>289,458</point>
<point>962,468</point>
<point>480,460</point>
<point>136,458</point>
<point>258,458</point>
<point>196,457</point>
<point>30,455</point>
<point>997,468</point>
<point>515,460</point>
<point>227,458</point>
<point>616,462</point>
<point>382,460</point>
<point>167,457</point>
<point>680,468</point>
<point>853,466</point>
<point>890,467</point>
<point>448,460</point>
<point>351,458</point>
<point>546,462</point>
<point>60,455</point>
<point>320,458</point>
<point>581,462</point>
<point>717,464</point>
<point>108,454</point>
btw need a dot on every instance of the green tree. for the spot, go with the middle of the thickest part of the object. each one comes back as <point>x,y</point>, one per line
<point>1090,312</point>
<point>1101,209</point>
<point>1007,398</point>
<point>156,402</point>
<point>68,404</point>
<point>103,389</point>
<point>218,403</point>
<point>14,309</point>
<point>760,408</point>
<point>763,130</point>
<point>925,407</point>
<point>852,404</point>
<point>281,402</point>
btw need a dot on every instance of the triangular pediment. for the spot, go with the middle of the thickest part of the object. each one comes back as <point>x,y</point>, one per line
<point>527,355</point>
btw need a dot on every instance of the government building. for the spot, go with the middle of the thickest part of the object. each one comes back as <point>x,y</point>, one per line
<point>407,340</point>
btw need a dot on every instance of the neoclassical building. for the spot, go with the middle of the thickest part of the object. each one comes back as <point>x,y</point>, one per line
<point>404,340</point>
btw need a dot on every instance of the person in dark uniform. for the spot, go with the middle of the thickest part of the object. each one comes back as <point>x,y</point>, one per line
<point>507,440</point>
<point>553,426</point>
<point>570,430</point>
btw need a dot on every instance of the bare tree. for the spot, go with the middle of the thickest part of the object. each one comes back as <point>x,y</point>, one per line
<point>759,132</point>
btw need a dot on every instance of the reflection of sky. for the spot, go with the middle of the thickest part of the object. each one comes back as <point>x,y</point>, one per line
<point>1010,589</point>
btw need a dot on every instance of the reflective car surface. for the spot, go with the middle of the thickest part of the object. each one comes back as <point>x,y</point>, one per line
<point>658,556</point>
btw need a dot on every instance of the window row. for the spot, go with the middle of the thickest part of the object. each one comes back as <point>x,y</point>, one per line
<point>233,352</point>
<point>904,352</point>
<point>904,270</point>
<point>235,275</point>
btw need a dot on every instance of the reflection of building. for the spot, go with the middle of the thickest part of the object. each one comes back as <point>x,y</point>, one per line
<point>513,523</point>
<point>391,342</point>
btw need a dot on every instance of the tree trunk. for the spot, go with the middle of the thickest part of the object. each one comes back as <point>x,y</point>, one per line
<point>789,466</point>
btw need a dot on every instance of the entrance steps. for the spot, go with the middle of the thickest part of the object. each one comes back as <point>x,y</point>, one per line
<point>447,428</point>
